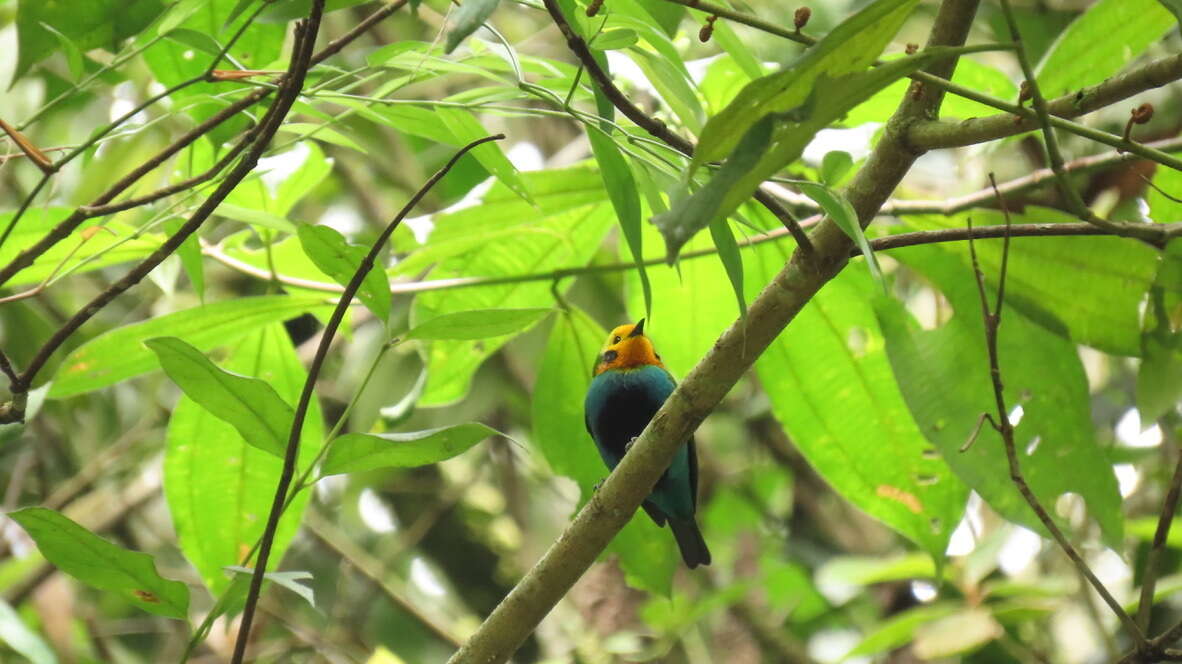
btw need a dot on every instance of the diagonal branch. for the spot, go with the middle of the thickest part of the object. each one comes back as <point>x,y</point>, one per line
<point>293,441</point>
<point>735,351</point>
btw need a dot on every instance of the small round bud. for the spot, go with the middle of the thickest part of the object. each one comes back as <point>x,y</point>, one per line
<point>1143,113</point>
<point>801,17</point>
<point>912,49</point>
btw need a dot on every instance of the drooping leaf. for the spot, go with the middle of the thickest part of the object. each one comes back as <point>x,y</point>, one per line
<point>787,133</point>
<point>96,562</point>
<point>219,488</point>
<point>467,19</point>
<point>249,404</point>
<point>1089,289</point>
<point>732,260</point>
<point>478,324</point>
<point>354,452</point>
<point>847,49</point>
<point>329,250</point>
<point>838,208</point>
<point>830,385</point>
<point>466,129</point>
<point>944,376</point>
<point>120,354</point>
<point>625,198</point>
<point>1100,42</point>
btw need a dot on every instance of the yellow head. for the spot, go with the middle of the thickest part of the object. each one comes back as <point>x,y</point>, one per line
<point>627,348</point>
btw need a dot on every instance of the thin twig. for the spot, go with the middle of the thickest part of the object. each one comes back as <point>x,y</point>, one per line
<point>1164,521</point>
<point>293,442</point>
<point>654,126</point>
<point>1075,202</point>
<point>6,367</point>
<point>1001,422</point>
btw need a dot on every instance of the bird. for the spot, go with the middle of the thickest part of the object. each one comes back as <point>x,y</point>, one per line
<point>629,383</point>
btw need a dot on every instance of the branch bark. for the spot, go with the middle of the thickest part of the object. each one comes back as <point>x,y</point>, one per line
<point>734,352</point>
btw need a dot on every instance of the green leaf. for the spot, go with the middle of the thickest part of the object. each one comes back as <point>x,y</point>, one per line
<point>834,166</point>
<point>614,40</point>
<point>646,553</point>
<point>944,376</point>
<point>831,386</point>
<point>73,54</point>
<point>289,580</point>
<point>466,129</point>
<point>87,24</point>
<point>219,489</point>
<point>691,213</point>
<point>16,635</point>
<point>468,19</point>
<point>478,324</point>
<point>514,239</point>
<point>1175,7</point>
<point>870,570</point>
<point>775,140</point>
<point>120,354</point>
<point>337,258</point>
<point>1100,43</point>
<point>83,251</point>
<point>900,629</point>
<point>847,49</point>
<point>625,198</point>
<point>842,213</point>
<point>255,217</point>
<point>1159,379</point>
<point>191,259</point>
<point>962,632</point>
<point>355,452</point>
<point>1165,196</point>
<point>969,73</point>
<point>98,563</point>
<point>249,404</point>
<point>1089,289</point>
<point>732,260</point>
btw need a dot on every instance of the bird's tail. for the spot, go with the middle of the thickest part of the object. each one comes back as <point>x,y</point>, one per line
<point>690,542</point>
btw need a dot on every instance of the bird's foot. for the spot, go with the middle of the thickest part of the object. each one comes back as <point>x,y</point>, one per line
<point>598,484</point>
<point>628,445</point>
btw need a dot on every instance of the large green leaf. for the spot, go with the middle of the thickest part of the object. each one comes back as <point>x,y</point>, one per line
<point>120,354</point>
<point>336,257</point>
<point>96,562</point>
<point>831,386</point>
<point>775,140</point>
<point>468,19</point>
<point>646,553</point>
<point>94,245</point>
<point>847,49</point>
<point>969,73</point>
<point>1088,288</point>
<point>1100,42</point>
<point>247,403</point>
<point>219,488</point>
<point>87,23</point>
<point>354,452</point>
<point>515,239</point>
<point>944,375</point>
<point>466,129</point>
<point>625,198</point>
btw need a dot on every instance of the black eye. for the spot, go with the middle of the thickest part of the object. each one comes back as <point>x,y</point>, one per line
<point>615,340</point>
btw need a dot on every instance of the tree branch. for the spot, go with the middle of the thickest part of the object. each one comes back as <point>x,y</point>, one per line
<point>293,441</point>
<point>735,351</point>
<point>1001,422</point>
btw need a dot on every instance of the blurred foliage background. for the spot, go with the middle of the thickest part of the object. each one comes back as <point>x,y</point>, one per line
<point>845,523</point>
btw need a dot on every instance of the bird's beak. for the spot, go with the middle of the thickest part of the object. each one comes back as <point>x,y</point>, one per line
<point>638,331</point>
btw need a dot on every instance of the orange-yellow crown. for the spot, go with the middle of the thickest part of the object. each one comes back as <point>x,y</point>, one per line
<point>627,348</point>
